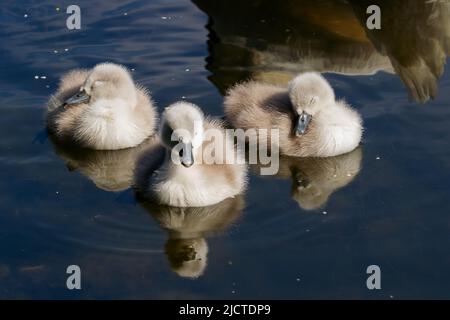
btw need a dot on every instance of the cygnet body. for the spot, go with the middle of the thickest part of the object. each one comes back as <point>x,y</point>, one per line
<point>196,165</point>
<point>310,121</point>
<point>101,109</point>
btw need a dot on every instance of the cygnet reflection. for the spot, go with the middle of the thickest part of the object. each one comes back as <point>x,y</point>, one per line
<point>187,228</point>
<point>314,180</point>
<point>109,170</point>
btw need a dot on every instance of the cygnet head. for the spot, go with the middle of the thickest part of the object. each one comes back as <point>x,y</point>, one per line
<point>187,257</point>
<point>182,131</point>
<point>309,93</point>
<point>106,81</point>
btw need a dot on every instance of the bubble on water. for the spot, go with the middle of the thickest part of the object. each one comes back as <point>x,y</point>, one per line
<point>36,77</point>
<point>57,9</point>
<point>47,86</point>
<point>183,97</point>
<point>55,51</point>
<point>25,16</point>
<point>324,212</point>
<point>298,279</point>
<point>233,291</point>
<point>43,77</point>
<point>125,13</point>
<point>378,158</point>
<point>230,263</point>
<point>132,69</point>
<point>66,49</point>
<point>164,18</point>
<point>187,69</point>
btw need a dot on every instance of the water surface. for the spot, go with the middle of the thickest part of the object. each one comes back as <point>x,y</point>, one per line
<point>390,206</point>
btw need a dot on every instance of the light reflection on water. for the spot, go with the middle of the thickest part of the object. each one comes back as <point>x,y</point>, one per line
<point>64,206</point>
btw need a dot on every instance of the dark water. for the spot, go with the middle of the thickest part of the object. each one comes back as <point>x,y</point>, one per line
<point>389,205</point>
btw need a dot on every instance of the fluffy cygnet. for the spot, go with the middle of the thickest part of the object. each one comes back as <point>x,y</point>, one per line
<point>310,121</point>
<point>196,165</point>
<point>101,109</point>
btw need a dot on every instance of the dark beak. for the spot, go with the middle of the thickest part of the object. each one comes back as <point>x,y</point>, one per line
<point>187,158</point>
<point>303,121</point>
<point>78,98</point>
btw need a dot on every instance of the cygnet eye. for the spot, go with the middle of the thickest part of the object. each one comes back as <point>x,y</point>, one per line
<point>181,153</point>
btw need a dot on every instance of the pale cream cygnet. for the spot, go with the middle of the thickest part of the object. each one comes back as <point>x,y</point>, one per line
<point>101,109</point>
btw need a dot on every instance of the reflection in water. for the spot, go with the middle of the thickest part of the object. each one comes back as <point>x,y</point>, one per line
<point>186,247</point>
<point>415,35</point>
<point>314,180</point>
<point>263,41</point>
<point>110,170</point>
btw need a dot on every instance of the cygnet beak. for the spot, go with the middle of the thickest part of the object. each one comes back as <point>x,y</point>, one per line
<point>187,158</point>
<point>302,125</point>
<point>78,98</point>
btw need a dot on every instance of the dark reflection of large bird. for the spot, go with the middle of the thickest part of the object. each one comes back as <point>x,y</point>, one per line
<point>186,247</point>
<point>264,41</point>
<point>314,180</point>
<point>110,170</point>
<point>415,35</point>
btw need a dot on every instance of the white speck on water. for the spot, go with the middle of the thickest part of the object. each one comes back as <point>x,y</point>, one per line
<point>125,13</point>
<point>55,51</point>
<point>57,192</point>
<point>43,77</point>
<point>298,279</point>
<point>36,77</point>
<point>47,86</point>
<point>233,291</point>
<point>391,296</point>
<point>324,212</point>
<point>57,8</point>
<point>164,18</point>
<point>187,69</point>
<point>25,16</point>
<point>66,49</point>
<point>307,230</point>
<point>378,158</point>
<point>183,97</point>
<point>132,69</point>
<point>230,263</point>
